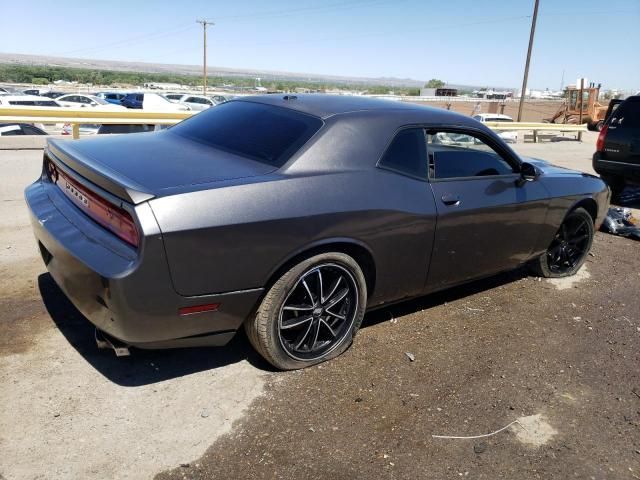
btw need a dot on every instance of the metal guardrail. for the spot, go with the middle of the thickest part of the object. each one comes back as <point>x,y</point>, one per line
<point>536,128</point>
<point>78,116</point>
<point>556,127</point>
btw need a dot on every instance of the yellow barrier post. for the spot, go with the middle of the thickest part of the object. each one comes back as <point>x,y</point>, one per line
<point>76,130</point>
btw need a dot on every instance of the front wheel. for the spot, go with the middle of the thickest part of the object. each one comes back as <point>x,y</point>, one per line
<point>569,249</point>
<point>311,313</point>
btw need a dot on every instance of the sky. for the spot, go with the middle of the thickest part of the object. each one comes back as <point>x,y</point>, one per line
<point>466,42</point>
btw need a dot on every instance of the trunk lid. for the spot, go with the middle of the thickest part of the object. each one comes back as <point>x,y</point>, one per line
<point>138,167</point>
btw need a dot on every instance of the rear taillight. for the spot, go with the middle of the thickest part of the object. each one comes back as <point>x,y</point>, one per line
<point>113,218</point>
<point>601,138</point>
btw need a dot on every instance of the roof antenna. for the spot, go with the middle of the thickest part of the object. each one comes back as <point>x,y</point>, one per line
<point>289,97</point>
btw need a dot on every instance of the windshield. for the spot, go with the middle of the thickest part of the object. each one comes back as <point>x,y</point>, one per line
<point>264,133</point>
<point>498,119</point>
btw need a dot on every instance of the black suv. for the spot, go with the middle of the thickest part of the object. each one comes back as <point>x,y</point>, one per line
<point>617,157</point>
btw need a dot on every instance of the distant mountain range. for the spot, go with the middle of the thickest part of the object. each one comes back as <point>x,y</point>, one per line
<point>264,75</point>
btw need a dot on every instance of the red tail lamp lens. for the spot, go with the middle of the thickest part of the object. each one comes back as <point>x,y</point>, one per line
<point>601,138</point>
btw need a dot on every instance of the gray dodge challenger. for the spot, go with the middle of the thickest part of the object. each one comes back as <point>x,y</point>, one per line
<point>292,216</point>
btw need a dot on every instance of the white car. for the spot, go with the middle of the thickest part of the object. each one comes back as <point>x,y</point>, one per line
<point>508,137</point>
<point>218,98</point>
<point>152,101</point>
<point>85,129</point>
<point>174,97</point>
<point>196,102</point>
<point>76,100</point>
<point>27,101</point>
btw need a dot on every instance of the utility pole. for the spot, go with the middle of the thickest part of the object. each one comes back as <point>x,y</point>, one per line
<point>526,66</point>
<point>204,24</point>
<point>581,107</point>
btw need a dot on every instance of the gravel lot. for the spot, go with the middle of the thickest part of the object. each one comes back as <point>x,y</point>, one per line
<point>562,357</point>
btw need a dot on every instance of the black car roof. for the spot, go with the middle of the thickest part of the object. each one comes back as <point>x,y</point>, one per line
<point>324,106</point>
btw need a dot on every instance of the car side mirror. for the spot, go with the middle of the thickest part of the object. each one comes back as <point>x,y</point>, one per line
<point>528,173</point>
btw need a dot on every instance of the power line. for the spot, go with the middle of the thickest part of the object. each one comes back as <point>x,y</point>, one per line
<point>292,11</point>
<point>131,40</point>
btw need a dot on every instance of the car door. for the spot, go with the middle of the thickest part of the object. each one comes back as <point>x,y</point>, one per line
<point>488,218</point>
<point>622,141</point>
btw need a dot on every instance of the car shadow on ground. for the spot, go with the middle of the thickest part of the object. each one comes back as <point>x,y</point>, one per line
<point>408,307</point>
<point>145,367</point>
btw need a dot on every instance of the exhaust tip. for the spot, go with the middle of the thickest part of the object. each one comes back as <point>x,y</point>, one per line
<point>105,342</point>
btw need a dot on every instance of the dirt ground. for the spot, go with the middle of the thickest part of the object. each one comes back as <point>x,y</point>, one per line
<point>485,355</point>
<point>562,358</point>
<point>532,111</point>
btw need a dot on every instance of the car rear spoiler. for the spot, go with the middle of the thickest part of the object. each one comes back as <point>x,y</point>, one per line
<point>97,173</point>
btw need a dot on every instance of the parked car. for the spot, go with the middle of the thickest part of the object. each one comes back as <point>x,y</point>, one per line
<point>509,137</point>
<point>293,216</point>
<point>152,101</point>
<point>85,129</point>
<point>196,102</point>
<point>617,156</point>
<point>129,128</point>
<point>112,97</point>
<point>218,99</point>
<point>12,129</point>
<point>174,97</point>
<point>27,101</point>
<point>53,94</point>
<point>81,100</point>
<point>35,91</point>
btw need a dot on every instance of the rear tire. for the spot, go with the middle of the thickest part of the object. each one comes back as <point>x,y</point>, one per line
<point>311,313</point>
<point>569,249</point>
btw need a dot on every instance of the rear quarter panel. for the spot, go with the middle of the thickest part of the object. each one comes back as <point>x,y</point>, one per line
<point>234,238</point>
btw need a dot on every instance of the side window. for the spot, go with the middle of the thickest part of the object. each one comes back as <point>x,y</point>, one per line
<point>29,130</point>
<point>407,153</point>
<point>627,115</point>
<point>461,155</point>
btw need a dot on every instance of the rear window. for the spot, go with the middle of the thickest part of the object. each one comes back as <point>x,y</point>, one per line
<point>263,133</point>
<point>628,114</point>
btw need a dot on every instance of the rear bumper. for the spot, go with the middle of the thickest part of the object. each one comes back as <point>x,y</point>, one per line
<point>131,299</point>
<point>629,171</point>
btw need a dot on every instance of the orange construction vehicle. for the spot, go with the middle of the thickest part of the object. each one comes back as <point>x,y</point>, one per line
<point>593,112</point>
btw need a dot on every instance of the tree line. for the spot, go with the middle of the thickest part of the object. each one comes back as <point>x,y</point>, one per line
<point>44,75</point>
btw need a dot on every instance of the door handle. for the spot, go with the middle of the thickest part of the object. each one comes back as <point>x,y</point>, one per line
<point>451,200</point>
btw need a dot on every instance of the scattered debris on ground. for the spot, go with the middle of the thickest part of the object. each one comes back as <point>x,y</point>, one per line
<point>620,221</point>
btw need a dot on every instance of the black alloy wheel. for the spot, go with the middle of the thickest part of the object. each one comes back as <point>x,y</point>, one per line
<point>569,248</point>
<point>570,245</point>
<point>318,312</point>
<point>311,313</point>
